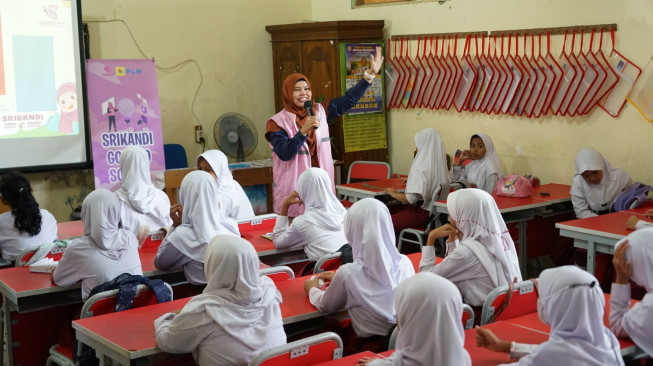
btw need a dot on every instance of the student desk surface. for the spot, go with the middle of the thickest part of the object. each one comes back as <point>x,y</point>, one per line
<point>599,233</point>
<point>520,210</point>
<point>69,229</point>
<point>358,191</point>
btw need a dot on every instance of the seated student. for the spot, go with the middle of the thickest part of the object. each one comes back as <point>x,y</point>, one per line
<point>25,225</point>
<point>104,252</point>
<point>596,184</point>
<point>365,287</point>
<point>434,339</point>
<point>572,303</point>
<point>427,174</point>
<point>200,220</point>
<point>233,200</point>
<point>145,208</point>
<point>485,169</point>
<point>633,260</point>
<point>480,254</point>
<point>235,318</point>
<point>319,228</point>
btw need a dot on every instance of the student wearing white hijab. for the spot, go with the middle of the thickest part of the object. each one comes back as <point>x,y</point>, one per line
<point>145,208</point>
<point>434,339</point>
<point>572,303</point>
<point>235,318</point>
<point>485,169</point>
<point>596,184</point>
<point>365,287</point>
<point>233,200</point>
<point>633,260</point>
<point>201,219</point>
<point>104,252</point>
<point>481,255</point>
<point>427,174</point>
<point>319,228</point>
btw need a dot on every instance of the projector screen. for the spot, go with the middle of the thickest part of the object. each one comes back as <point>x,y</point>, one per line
<point>42,93</point>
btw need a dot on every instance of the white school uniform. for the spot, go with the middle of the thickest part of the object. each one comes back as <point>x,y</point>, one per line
<point>185,245</point>
<point>319,229</point>
<point>429,169</point>
<point>484,172</point>
<point>233,200</point>
<point>235,318</point>
<point>434,339</point>
<point>587,198</point>
<point>143,204</point>
<point>572,303</point>
<point>486,257</point>
<point>637,322</point>
<point>366,287</point>
<point>13,241</point>
<point>104,252</point>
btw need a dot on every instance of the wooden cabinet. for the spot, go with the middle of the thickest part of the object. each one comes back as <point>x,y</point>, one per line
<point>313,49</point>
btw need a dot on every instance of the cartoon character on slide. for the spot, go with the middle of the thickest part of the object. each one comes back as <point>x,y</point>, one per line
<point>66,120</point>
<point>111,112</point>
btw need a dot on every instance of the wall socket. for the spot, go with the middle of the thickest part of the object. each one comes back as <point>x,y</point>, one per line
<point>198,134</point>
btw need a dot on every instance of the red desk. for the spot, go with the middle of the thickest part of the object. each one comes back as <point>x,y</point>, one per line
<point>504,330</point>
<point>349,360</point>
<point>415,258</point>
<point>358,191</point>
<point>520,210</point>
<point>69,229</point>
<point>252,231</point>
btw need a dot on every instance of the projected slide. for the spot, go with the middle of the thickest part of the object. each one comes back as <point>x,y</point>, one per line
<point>38,80</point>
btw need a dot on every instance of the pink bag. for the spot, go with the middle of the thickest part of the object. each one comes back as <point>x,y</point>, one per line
<point>515,185</point>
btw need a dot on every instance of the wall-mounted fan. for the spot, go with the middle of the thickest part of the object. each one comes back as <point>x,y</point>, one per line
<point>235,135</point>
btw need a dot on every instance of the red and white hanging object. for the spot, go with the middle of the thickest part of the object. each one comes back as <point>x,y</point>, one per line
<point>628,74</point>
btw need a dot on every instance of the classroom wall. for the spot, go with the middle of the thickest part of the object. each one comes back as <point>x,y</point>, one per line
<point>544,146</point>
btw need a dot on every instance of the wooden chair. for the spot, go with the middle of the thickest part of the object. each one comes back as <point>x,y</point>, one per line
<point>278,273</point>
<point>507,302</point>
<point>318,348</point>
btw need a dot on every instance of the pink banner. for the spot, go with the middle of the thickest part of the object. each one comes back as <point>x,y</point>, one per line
<point>123,106</point>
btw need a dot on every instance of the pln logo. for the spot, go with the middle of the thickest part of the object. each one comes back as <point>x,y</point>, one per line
<point>123,71</point>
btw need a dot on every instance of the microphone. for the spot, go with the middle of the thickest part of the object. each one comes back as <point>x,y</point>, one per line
<point>308,105</point>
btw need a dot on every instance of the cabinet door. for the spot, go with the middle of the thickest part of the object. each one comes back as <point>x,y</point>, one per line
<point>320,66</point>
<point>287,59</point>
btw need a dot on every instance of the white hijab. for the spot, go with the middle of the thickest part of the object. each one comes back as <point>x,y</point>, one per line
<point>201,219</point>
<point>102,225</point>
<point>429,168</point>
<point>369,231</point>
<point>478,171</point>
<point>599,196</point>
<point>429,313</point>
<point>640,255</point>
<point>322,207</point>
<point>572,302</point>
<point>242,303</point>
<point>137,187</point>
<point>485,233</point>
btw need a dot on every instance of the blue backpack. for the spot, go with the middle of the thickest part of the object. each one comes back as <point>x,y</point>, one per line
<point>633,197</point>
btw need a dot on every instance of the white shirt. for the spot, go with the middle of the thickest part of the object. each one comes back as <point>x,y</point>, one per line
<point>484,172</point>
<point>168,258</point>
<point>317,241</point>
<point>13,242</point>
<point>156,219</point>
<point>428,172</point>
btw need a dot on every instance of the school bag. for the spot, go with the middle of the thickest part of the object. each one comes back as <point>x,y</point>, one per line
<point>632,197</point>
<point>515,185</point>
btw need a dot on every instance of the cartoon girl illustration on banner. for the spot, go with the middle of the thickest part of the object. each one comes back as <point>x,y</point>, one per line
<point>66,120</point>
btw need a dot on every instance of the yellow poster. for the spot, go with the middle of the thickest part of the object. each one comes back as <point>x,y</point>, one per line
<point>364,132</point>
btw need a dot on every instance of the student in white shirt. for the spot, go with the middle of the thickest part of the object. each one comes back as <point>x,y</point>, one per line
<point>481,255</point>
<point>201,219</point>
<point>365,287</point>
<point>25,225</point>
<point>633,260</point>
<point>572,303</point>
<point>145,208</point>
<point>233,200</point>
<point>235,318</point>
<point>427,174</point>
<point>104,252</point>
<point>429,309</point>
<point>596,184</point>
<point>485,169</point>
<point>319,228</point>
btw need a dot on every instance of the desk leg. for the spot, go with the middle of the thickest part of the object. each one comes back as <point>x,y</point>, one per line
<point>591,256</point>
<point>6,326</point>
<point>523,258</point>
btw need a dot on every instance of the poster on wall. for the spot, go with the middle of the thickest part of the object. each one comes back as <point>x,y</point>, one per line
<point>123,106</point>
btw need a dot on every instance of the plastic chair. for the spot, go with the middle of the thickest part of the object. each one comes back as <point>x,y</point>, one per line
<point>175,156</point>
<point>100,304</point>
<point>507,302</point>
<point>318,348</point>
<point>419,236</point>
<point>55,253</point>
<point>278,273</point>
<point>468,323</point>
<point>329,262</point>
<point>361,171</point>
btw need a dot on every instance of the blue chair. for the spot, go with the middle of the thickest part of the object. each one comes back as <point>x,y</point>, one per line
<point>175,156</point>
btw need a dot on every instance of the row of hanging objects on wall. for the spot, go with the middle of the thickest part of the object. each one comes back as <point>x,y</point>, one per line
<point>642,94</point>
<point>500,78</point>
